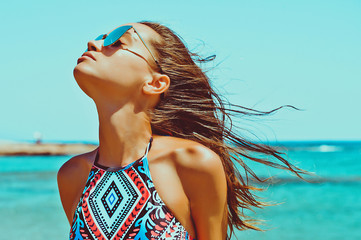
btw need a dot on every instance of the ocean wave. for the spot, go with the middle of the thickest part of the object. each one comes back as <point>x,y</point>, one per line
<point>319,146</point>
<point>310,180</point>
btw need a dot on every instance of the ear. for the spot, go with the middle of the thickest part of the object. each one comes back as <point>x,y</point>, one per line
<point>159,84</point>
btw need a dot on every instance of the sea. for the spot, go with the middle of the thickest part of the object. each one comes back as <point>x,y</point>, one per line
<point>326,206</point>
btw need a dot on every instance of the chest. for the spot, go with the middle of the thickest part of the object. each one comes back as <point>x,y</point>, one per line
<point>127,201</point>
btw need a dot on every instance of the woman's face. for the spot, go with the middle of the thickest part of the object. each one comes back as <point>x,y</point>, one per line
<point>118,71</point>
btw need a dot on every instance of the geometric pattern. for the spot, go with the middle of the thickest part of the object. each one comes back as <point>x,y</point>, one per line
<point>124,204</point>
<point>111,199</point>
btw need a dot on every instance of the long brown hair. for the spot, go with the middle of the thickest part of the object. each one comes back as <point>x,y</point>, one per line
<point>191,109</point>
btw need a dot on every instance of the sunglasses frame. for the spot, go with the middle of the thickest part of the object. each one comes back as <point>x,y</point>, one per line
<point>117,33</point>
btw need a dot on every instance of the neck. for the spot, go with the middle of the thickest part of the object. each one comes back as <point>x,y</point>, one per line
<point>123,135</point>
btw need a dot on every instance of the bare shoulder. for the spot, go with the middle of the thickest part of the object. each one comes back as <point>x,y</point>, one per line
<point>203,179</point>
<point>195,156</point>
<point>72,177</point>
<point>189,157</point>
<point>76,163</point>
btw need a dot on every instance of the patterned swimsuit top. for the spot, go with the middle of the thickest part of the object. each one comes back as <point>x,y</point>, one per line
<point>122,203</point>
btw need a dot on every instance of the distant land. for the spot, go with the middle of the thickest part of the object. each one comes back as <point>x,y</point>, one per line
<point>9,149</point>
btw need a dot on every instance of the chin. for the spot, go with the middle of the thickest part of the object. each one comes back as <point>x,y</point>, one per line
<point>83,78</point>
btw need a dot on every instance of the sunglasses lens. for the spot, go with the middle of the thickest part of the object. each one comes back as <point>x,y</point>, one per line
<point>100,37</point>
<point>115,35</point>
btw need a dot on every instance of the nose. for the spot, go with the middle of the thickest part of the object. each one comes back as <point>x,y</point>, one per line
<point>95,45</point>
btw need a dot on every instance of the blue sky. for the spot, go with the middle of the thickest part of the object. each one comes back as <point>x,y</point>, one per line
<point>271,53</point>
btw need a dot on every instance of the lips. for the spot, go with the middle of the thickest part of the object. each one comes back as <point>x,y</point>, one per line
<point>86,55</point>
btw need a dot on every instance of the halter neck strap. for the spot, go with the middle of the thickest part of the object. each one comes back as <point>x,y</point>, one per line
<point>148,147</point>
<point>126,166</point>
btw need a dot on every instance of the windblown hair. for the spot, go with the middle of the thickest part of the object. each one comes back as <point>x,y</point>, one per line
<point>191,109</point>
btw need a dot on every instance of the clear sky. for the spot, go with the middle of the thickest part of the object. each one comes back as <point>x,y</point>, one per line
<point>306,53</point>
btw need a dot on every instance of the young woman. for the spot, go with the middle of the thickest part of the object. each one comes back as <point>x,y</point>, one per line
<point>165,165</point>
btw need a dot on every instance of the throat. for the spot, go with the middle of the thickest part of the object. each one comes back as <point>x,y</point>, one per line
<point>123,137</point>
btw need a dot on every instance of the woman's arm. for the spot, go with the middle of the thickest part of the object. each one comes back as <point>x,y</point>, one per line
<point>204,181</point>
<point>71,180</point>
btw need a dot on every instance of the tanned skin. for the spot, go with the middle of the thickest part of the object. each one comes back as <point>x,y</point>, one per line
<point>188,176</point>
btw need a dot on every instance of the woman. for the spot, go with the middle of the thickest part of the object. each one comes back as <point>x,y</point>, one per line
<point>163,168</point>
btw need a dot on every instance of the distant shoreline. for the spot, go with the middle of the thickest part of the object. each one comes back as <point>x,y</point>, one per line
<point>73,148</point>
<point>29,149</point>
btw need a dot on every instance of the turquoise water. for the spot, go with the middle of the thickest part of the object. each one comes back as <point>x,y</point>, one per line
<point>30,207</point>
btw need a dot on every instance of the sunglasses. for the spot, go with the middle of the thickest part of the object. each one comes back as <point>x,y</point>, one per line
<point>117,33</point>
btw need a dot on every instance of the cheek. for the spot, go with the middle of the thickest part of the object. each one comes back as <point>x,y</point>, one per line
<point>122,78</point>
<point>114,76</point>
<point>125,70</point>
<point>117,72</point>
